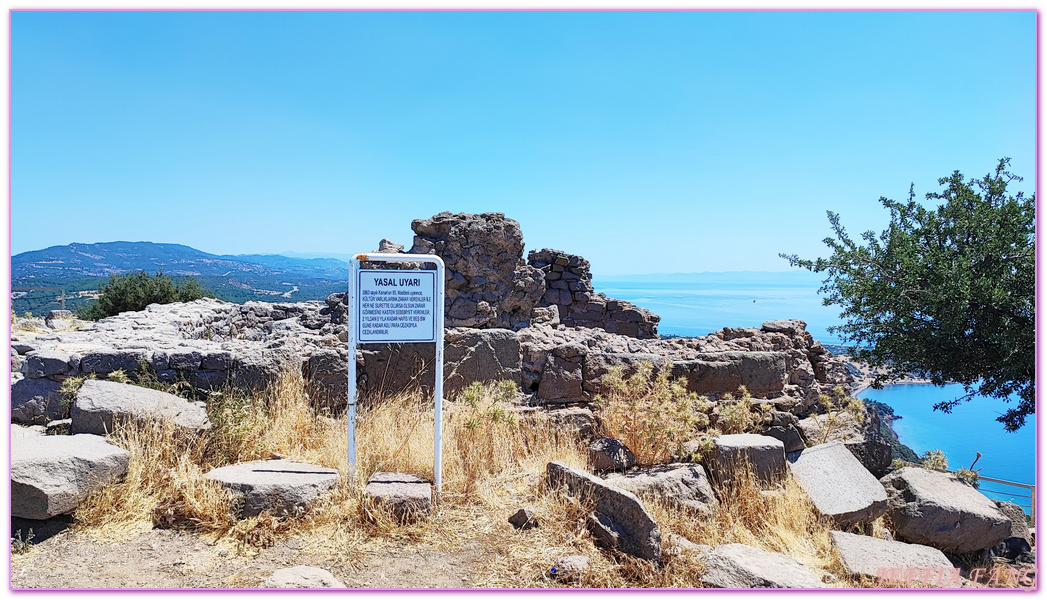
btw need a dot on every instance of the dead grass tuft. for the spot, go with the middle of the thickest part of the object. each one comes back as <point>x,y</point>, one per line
<point>494,463</point>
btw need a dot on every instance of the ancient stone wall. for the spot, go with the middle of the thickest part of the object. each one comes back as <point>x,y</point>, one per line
<point>488,283</point>
<point>569,288</point>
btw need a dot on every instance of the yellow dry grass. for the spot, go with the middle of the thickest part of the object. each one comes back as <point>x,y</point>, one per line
<point>494,462</point>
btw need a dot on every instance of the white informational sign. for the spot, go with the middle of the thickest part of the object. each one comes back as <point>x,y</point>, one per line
<point>396,306</point>
<point>392,306</point>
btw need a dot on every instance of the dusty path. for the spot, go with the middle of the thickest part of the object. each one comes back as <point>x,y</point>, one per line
<point>162,558</point>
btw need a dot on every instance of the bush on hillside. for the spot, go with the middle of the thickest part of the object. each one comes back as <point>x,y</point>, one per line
<point>138,289</point>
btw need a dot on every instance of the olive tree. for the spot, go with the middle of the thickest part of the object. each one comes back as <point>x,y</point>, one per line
<point>946,292</point>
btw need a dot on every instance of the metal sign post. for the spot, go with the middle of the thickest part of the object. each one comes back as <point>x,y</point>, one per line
<point>393,306</point>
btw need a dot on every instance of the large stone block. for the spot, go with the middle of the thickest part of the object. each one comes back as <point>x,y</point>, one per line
<point>619,521</point>
<point>561,380</point>
<point>682,484</point>
<point>277,486</point>
<point>762,373</point>
<point>45,363</point>
<point>480,355</point>
<point>107,360</point>
<point>840,487</point>
<point>737,566</point>
<point>862,439</point>
<point>863,555</point>
<point>99,403</point>
<point>327,379</point>
<point>37,401</point>
<point>51,474</point>
<point>937,509</point>
<point>408,497</point>
<point>765,455</point>
<point>302,577</point>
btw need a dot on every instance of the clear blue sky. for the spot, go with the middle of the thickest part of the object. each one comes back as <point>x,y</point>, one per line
<point>717,139</point>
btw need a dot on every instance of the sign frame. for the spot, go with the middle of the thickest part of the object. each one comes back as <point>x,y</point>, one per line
<point>354,339</point>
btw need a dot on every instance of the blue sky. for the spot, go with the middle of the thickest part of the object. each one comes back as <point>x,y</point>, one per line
<point>714,140</point>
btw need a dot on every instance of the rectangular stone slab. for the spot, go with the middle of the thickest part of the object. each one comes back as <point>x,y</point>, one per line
<point>894,561</point>
<point>838,484</point>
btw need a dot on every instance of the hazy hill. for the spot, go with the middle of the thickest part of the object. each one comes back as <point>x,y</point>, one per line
<point>79,268</point>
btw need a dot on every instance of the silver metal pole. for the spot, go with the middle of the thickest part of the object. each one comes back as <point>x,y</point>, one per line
<point>438,392</point>
<point>354,268</point>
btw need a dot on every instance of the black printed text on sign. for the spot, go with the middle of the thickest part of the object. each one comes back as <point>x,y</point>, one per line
<point>396,306</point>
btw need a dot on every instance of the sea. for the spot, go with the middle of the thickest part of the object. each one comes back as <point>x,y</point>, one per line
<point>693,304</point>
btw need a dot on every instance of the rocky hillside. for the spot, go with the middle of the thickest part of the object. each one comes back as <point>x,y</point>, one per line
<point>79,268</point>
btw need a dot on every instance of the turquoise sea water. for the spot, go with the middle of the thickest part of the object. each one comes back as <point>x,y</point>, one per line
<point>700,303</point>
<point>971,427</point>
<point>692,304</point>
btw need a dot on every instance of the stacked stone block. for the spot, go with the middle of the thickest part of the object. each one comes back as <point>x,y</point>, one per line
<point>569,288</point>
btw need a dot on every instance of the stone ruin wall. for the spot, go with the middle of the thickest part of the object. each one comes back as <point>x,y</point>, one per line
<point>504,323</point>
<point>569,288</point>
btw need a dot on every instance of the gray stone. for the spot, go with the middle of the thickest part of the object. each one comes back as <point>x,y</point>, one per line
<point>524,519</point>
<point>216,361</point>
<point>862,439</point>
<point>16,361</point>
<point>609,454</point>
<point>570,569</point>
<point>788,435</point>
<point>327,379</point>
<point>208,380</point>
<point>579,420</point>
<point>259,368</point>
<point>408,497</point>
<point>99,403</point>
<point>762,373</point>
<point>184,359</point>
<point>1019,543</point>
<point>620,520</point>
<point>302,577</point>
<point>683,484</point>
<point>51,474</point>
<point>937,509</point>
<point>763,454</point>
<point>840,487</point>
<point>277,486</point>
<point>561,380</point>
<point>737,566</point>
<point>790,326</point>
<point>863,555</point>
<point>45,363</point>
<point>107,360</point>
<point>37,401</point>
<point>480,355</point>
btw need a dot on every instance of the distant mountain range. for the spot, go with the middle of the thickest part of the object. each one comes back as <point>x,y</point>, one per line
<point>78,269</point>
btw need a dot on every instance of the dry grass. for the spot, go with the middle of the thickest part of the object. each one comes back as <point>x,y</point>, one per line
<point>494,462</point>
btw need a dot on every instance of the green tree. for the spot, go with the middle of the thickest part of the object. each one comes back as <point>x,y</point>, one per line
<point>138,289</point>
<point>946,293</point>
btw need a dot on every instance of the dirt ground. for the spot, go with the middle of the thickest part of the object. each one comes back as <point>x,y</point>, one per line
<point>162,558</point>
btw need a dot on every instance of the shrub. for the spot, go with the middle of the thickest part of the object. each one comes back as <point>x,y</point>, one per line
<point>738,415</point>
<point>653,414</point>
<point>935,460</point>
<point>136,290</point>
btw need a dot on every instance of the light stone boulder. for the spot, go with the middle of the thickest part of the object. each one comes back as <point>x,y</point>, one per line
<point>99,403</point>
<point>51,474</point>
<point>36,401</point>
<point>277,486</point>
<point>570,569</point>
<point>840,487</point>
<point>737,566</point>
<point>764,454</point>
<point>17,431</point>
<point>863,555</point>
<point>682,484</point>
<point>937,509</point>
<point>302,577</point>
<point>408,497</point>
<point>620,520</point>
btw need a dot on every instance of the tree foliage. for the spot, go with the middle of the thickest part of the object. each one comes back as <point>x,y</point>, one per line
<point>138,289</point>
<point>946,292</point>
